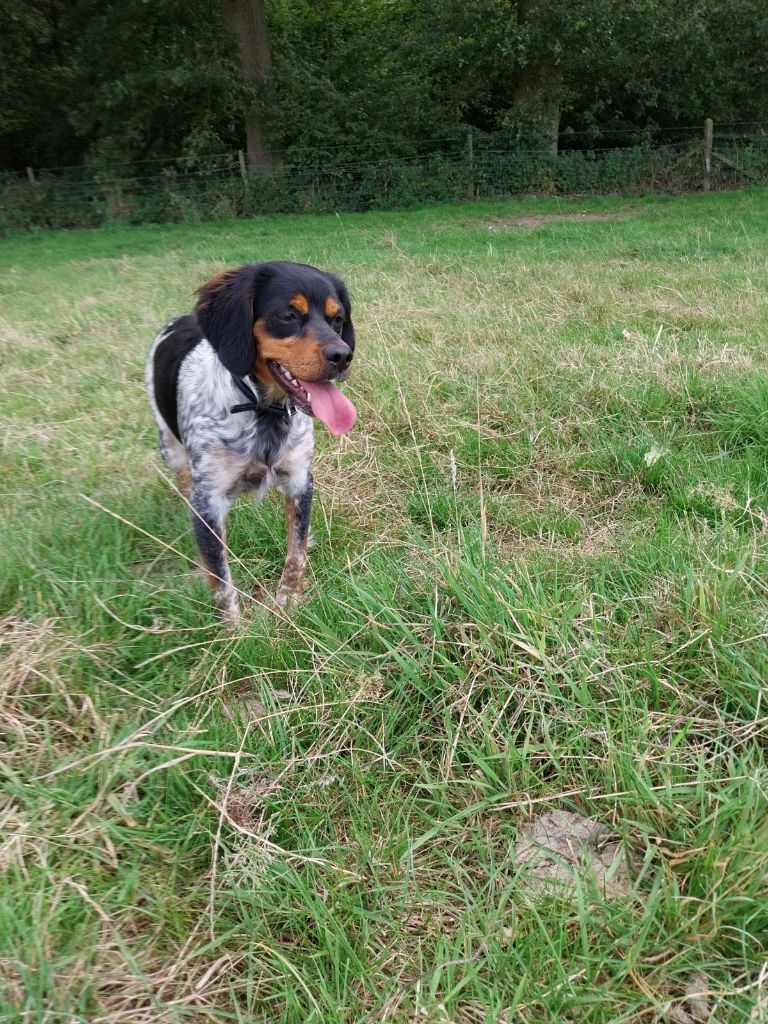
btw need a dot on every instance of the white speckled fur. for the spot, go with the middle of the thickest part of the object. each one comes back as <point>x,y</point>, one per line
<point>225,454</point>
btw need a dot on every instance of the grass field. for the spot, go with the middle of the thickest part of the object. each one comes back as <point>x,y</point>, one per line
<point>540,584</point>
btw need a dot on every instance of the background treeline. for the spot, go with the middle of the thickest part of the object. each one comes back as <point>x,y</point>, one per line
<point>121,83</point>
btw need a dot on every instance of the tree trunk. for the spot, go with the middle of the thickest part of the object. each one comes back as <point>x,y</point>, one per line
<point>246,22</point>
<point>536,100</point>
<point>536,104</point>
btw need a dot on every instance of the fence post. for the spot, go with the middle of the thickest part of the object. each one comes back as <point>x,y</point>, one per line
<point>31,175</point>
<point>470,167</point>
<point>243,169</point>
<point>708,133</point>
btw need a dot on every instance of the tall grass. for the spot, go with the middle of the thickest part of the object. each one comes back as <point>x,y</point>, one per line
<point>539,584</point>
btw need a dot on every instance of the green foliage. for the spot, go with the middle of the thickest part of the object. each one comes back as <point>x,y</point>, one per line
<point>110,83</point>
<point>92,200</point>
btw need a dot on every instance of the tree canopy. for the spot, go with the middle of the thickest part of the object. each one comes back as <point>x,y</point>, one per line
<point>115,82</point>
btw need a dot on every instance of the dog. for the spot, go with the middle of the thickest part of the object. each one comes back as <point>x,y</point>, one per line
<point>235,387</point>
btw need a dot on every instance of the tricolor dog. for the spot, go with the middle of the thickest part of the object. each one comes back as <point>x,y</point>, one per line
<point>235,387</point>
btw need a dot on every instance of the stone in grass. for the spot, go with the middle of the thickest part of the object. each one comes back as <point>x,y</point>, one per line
<point>559,847</point>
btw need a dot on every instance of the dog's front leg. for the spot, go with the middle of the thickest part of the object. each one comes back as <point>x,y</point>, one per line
<point>209,511</point>
<point>298,509</point>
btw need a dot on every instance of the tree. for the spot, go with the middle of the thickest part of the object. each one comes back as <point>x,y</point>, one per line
<point>538,84</point>
<point>246,21</point>
<point>112,83</point>
<point>115,82</point>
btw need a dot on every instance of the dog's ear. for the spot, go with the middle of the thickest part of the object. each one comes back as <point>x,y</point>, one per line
<point>226,311</point>
<point>347,331</point>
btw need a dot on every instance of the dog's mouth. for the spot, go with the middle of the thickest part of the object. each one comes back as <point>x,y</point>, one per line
<point>294,387</point>
<point>321,399</point>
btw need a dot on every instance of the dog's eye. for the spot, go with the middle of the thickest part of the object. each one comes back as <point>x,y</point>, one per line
<point>337,323</point>
<point>289,317</point>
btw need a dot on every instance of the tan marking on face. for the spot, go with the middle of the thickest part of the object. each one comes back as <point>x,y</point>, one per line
<point>300,303</point>
<point>301,355</point>
<point>331,307</point>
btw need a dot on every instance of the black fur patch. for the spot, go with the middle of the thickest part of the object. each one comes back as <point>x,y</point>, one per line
<point>169,355</point>
<point>272,432</point>
<point>208,527</point>
<point>304,512</point>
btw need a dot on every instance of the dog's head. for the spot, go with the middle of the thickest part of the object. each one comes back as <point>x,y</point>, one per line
<point>289,325</point>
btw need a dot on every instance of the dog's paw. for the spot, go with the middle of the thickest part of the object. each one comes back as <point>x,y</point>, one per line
<point>230,616</point>
<point>228,606</point>
<point>288,597</point>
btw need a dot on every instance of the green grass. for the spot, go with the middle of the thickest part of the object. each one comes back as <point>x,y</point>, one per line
<point>540,583</point>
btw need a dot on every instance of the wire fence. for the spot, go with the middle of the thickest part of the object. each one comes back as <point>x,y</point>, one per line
<point>443,170</point>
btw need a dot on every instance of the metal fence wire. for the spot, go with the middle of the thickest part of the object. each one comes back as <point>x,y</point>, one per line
<point>471,168</point>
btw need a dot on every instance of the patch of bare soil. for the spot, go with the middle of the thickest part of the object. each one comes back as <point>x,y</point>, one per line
<point>559,849</point>
<point>535,220</point>
<point>559,846</point>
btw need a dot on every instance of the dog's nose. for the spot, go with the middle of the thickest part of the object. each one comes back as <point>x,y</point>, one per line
<point>339,355</point>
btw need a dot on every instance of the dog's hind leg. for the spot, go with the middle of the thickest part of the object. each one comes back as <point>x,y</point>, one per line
<point>175,457</point>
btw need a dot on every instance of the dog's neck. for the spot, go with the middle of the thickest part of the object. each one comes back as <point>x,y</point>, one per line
<point>257,403</point>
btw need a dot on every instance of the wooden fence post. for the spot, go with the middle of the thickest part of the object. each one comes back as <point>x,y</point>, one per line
<point>243,168</point>
<point>470,167</point>
<point>708,134</point>
<point>31,175</point>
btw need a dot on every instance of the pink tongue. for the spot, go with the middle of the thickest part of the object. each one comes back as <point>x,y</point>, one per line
<point>330,406</point>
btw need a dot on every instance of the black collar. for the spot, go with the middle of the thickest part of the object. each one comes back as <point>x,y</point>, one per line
<point>255,404</point>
